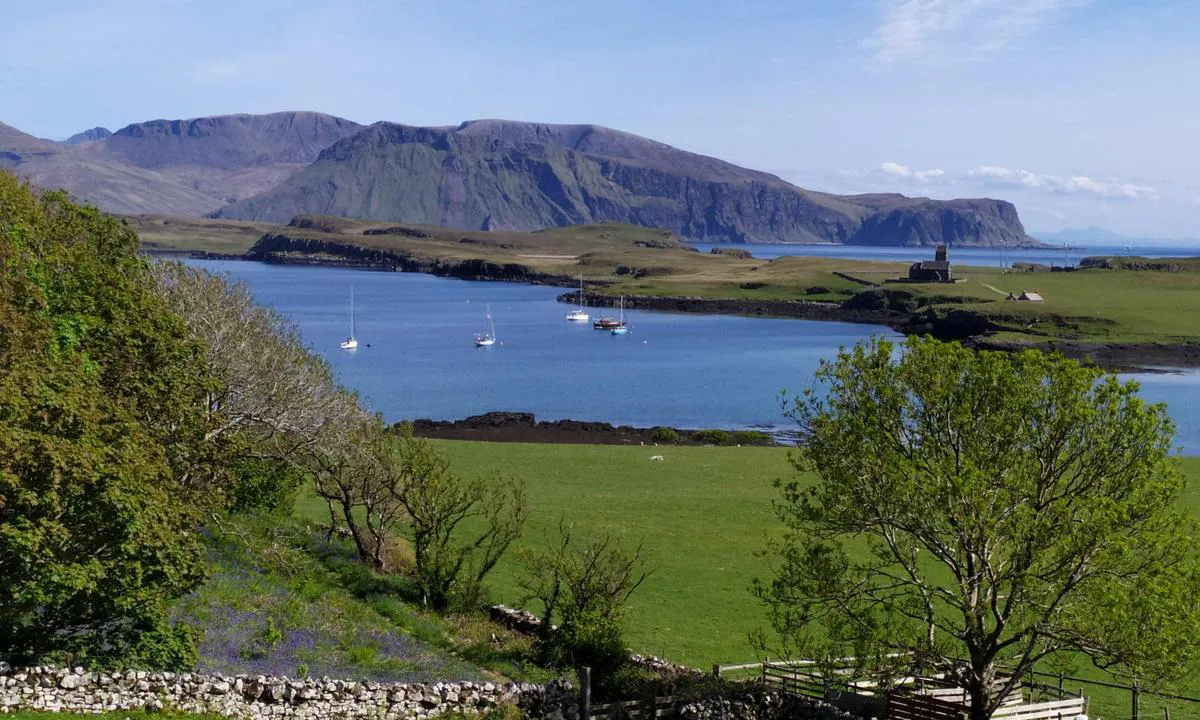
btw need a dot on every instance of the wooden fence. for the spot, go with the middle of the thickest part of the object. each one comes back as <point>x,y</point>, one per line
<point>923,698</point>
<point>648,708</point>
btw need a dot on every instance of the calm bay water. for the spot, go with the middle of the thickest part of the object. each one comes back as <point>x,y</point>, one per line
<point>416,358</point>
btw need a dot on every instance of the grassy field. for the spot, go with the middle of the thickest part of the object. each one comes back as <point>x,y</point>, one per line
<point>703,513</point>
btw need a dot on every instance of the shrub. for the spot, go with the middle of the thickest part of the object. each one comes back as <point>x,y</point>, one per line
<point>664,435</point>
<point>588,640</point>
<point>713,437</point>
<point>751,437</point>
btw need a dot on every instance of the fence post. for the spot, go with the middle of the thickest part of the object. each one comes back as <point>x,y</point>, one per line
<point>1166,713</point>
<point>1060,685</point>
<point>716,671</point>
<point>1135,699</point>
<point>585,693</point>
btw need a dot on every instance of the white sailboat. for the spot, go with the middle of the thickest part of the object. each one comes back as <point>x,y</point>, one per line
<point>620,328</point>
<point>351,342</point>
<point>579,315</point>
<point>488,338</point>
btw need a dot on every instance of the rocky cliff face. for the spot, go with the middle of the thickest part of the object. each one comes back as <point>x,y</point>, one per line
<point>500,175</point>
<point>229,142</point>
<point>96,133</point>
<point>953,222</point>
<point>176,167</point>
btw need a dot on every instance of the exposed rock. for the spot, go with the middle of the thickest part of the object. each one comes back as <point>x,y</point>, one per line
<point>504,175</point>
<point>922,222</point>
<point>257,698</point>
<point>523,427</point>
<point>96,133</point>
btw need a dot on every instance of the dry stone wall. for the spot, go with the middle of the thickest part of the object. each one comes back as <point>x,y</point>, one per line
<point>259,697</point>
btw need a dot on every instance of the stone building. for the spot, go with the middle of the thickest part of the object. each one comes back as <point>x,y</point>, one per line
<point>931,271</point>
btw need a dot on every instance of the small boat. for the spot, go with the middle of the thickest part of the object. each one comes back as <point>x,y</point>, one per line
<point>351,343</point>
<point>487,338</point>
<point>610,323</point>
<point>579,315</point>
<point>620,328</point>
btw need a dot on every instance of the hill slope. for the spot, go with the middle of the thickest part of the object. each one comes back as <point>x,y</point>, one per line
<point>501,175</point>
<point>483,174</point>
<point>178,167</point>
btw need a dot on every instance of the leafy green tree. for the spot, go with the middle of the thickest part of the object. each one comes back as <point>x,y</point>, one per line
<point>978,512</point>
<point>103,468</point>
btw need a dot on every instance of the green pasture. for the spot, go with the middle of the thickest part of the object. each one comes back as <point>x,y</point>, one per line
<point>703,513</point>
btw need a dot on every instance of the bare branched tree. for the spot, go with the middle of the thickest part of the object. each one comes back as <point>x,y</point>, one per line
<point>275,392</point>
<point>572,578</point>
<point>459,528</point>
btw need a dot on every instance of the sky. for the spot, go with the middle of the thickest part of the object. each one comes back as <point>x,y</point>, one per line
<point>1081,112</point>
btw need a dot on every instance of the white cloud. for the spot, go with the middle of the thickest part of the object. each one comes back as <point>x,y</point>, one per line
<point>955,29</point>
<point>1006,177</point>
<point>892,168</point>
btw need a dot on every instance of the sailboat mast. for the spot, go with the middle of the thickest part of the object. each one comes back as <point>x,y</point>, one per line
<point>351,311</point>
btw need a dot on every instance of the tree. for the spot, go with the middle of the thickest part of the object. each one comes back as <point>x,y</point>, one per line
<point>584,586</point>
<point>101,442</point>
<point>459,528</point>
<point>978,512</point>
<point>360,478</point>
<point>573,578</point>
<point>279,397</point>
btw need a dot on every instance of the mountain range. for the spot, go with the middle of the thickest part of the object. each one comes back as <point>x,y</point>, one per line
<point>483,174</point>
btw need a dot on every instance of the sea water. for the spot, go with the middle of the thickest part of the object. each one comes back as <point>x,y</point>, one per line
<point>416,357</point>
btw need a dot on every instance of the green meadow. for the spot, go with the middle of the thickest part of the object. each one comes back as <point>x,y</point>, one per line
<point>703,513</point>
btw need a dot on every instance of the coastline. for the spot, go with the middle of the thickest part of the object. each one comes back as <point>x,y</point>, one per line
<point>520,427</point>
<point>963,326</point>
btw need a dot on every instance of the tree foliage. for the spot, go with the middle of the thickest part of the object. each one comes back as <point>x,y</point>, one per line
<point>459,527</point>
<point>102,460</point>
<point>979,512</point>
<point>275,396</point>
<point>582,586</point>
<point>574,578</point>
<point>359,476</point>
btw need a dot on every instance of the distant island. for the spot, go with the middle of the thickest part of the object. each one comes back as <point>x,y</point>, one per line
<point>1097,236</point>
<point>479,175</point>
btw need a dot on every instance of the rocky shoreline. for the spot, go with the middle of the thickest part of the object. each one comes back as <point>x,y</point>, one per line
<point>1114,357</point>
<point>524,427</point>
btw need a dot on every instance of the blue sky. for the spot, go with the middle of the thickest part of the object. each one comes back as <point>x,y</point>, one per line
<point>1082,112</point>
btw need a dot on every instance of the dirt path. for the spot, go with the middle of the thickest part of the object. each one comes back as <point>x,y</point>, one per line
<point>995,290</point>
